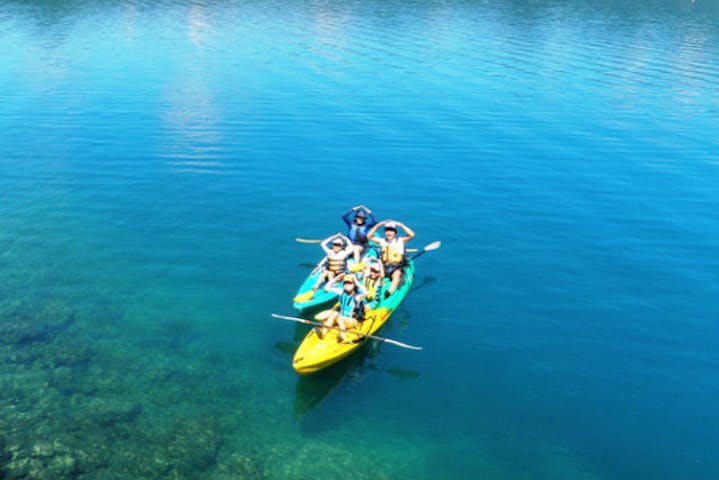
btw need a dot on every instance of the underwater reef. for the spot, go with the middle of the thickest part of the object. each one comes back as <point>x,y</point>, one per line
<point>72,407</point>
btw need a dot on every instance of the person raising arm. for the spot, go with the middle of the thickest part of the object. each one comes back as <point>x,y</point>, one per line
<point>337,248</point>
<point>357,228</point>
<point>350,309</point>
<point>393,249</point>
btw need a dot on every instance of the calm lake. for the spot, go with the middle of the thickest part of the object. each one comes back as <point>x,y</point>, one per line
<point>158,160</point>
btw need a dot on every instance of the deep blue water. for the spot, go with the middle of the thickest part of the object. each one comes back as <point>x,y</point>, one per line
<point>157,160</point>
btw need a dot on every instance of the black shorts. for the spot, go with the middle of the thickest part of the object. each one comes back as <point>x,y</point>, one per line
<point>389,268</point>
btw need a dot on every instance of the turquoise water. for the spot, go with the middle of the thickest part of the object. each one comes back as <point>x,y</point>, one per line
<point>157,160</point>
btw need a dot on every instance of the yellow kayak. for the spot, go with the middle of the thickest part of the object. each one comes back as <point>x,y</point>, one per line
<point>315,353</point>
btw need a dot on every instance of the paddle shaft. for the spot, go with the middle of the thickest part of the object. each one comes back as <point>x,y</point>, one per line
<point>373,337</point>
<point>418,255</point>
<point>428,248</point>
<point>308,240</point>
<point>317,240</point>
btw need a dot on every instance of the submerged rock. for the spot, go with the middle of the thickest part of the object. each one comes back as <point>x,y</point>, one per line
<point>62,466</point>
<point>194,445</point>
<point>46,466</point>
<point>111,411</point>
<point>43,449</point>
<point>187,449</point>
<point>71,353</point>
<point>239,465</point>
<point>16,468</point>
<point>53,354</point>
<point>27,324</point>
<point>4,452</point>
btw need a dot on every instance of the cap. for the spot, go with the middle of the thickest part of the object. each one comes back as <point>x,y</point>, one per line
<point>390,226</point>
<point>349,278</point>
<point>360,214</point>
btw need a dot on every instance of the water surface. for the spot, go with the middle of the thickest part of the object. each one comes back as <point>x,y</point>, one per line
<point>157,159</point>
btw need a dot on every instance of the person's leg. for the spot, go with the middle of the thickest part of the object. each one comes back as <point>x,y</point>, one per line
<point>328,323</point>
<point>330,276</point>
<point>341,324</point>
<point>396,277</point>
<point>320,279</point>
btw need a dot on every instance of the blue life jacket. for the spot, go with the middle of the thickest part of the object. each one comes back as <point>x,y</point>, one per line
<point>350,306</point>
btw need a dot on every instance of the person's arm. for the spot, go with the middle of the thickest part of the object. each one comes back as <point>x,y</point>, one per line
<point>373,230</point>
<point>372,219</point>
<point>346,217</point>
<point>324,243</point>
<point>330,286</point>
<point>407,230</point>
<point>348,249</point>
<point>360,288</point>
<point>360,295</point>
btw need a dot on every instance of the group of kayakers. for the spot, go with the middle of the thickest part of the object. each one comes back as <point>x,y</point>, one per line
<point>362,282</point>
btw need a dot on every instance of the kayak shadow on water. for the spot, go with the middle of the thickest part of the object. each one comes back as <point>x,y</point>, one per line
<point>311,390</point>
<point>426,281</point>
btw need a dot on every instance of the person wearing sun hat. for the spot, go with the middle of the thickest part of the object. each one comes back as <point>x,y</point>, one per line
<point>372,279</point>
<point>350,309</point>
<point>357,226</point>
<point>337,248</point>
<point>393,247</point>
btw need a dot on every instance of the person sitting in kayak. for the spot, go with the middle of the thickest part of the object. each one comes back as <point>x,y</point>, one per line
<point>372,279</point>
<point>350,310</point>
<point>362,221</point>
<point>393,248</point>
<point>337,248</point>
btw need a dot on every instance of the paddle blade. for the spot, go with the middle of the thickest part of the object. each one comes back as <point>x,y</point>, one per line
<point>357,267</point>
<point>304,297</point>
<point>433,246</point>
<point>428,248</point>
<point>308,240</point>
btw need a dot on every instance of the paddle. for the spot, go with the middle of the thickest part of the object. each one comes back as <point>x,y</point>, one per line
<point>307,296</point>
<point>373,337</point>
<point>428,248</point>
<point>304,296</point>
<point>308,240</point>
<point>317,240</point>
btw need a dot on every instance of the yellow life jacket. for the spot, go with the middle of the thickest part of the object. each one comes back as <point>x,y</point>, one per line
<point>393,252</point>
<point>372,286</point>
<point>336,265</point>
